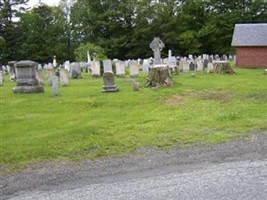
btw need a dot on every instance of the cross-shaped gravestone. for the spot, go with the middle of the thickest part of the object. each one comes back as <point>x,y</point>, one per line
<point>157,45</point>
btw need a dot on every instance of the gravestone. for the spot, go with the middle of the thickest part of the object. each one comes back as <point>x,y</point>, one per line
<point>51,73</point>
<point>55,88</point>
<point>134,69</point>
<point>145,66</point>
<point>11,66</point>
<point>75,70</point>
<point>95,68</point>
<point>157,45</point>
<point>210,67</point>
<point>205,63</point>
<point>64,78</point>
<point>40,77</point>
<point>120,69</point>
<point>200,66</point>
<point>1,78</point>
<point>109,83</point>
<point>192,66</point>
<point>185,66</point>
<point>26,78</point>
<point>107,64</point>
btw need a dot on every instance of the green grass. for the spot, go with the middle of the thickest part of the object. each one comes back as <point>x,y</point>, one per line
<point>83,123</point>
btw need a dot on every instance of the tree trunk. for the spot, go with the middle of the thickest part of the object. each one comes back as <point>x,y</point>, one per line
<point>159,76</point>
<point>221,67</point>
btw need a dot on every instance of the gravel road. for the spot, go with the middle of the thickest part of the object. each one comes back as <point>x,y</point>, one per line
<point>232,170</point>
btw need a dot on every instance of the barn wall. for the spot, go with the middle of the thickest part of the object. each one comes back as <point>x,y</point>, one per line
<point>251,57</point>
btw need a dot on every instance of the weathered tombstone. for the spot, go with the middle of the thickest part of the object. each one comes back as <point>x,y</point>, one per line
<point>210,67</point>
<point>95,68</point>
<point>67,65</point>
<point>107,64</point>
<point>192,66</point>
<point>134,69</point>
<point>1,78</point>
<point>145,67</point>
<point>120,69</point>
<point>136,86</point>
<point>172,64</point>
<point>55,87</point>
<point>51,73</point>
<point>26,78</point>
<point>205,63</point>
<point>64,78</point>
<point>75,70</point>
<point>40,77</point>
<point>11,65</point>
<point>157,45</point>
<point>109,83</point>
<point>186,66</point>
<point>200,66</point>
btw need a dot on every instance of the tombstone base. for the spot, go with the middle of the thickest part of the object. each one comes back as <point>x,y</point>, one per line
<point>28,89</point>
<point>110,88</point>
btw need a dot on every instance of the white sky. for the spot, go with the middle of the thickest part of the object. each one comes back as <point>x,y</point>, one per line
<point>48,2</point>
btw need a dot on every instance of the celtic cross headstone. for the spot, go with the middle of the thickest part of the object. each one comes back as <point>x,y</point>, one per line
<point>157,45</point>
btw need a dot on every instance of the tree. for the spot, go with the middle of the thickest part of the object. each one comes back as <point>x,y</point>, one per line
<point>43,35</point>
<point>9,32</point>
<point>94,50</point>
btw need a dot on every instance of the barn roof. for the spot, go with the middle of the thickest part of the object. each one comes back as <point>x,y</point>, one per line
<point>250,35</point>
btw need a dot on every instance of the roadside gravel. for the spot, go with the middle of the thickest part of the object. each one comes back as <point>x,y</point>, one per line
<point>145,162</point>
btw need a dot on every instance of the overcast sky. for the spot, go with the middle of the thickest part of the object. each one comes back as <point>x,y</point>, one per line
<point>48,2</point>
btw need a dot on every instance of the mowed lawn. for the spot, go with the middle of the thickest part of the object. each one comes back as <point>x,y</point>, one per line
<point>83,123</point>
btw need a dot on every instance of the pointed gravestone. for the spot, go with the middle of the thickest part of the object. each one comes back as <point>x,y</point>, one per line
<point>109,83</point>
<point>26,78</point>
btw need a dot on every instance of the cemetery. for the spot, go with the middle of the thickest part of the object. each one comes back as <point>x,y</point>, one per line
<point>76,86</point>
<point>81,118</point>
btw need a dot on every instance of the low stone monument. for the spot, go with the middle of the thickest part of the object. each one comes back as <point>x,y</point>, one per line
<point>26,78</point>
<point>109,83</point>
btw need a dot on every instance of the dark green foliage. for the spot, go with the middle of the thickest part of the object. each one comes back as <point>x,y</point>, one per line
<point>125,28</point>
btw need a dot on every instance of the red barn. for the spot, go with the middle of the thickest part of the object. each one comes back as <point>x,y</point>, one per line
<point>250,41</point>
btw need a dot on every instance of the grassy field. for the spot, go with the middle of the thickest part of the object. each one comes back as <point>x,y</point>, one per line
<point>82,122</point>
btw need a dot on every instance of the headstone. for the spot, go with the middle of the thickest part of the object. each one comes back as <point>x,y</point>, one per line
<point>75,70</point>
<point>95,68</point>
<point>26,78</point>
<point>134,69</point>
<point>205,63</point>
<point>1,78</point>
<point>200,66</point>
<point>185,66</point>
<point>120,69</point>
<point>136,86</point>
<point>107,64</point>
<point>192,66</point>
<point>157,45</point>
<point>64,78</point>
<point>109,83</point>
<point>145,66</point>
<point>55,87</point>
<point>51,73</point>
<point>54,62</point>
<point>40,77</point>
<point>67,65</point>
<point>11,67</point>
<point>210,67</point>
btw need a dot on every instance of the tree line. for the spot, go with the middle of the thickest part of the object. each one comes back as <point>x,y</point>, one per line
<point>121,29</point>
